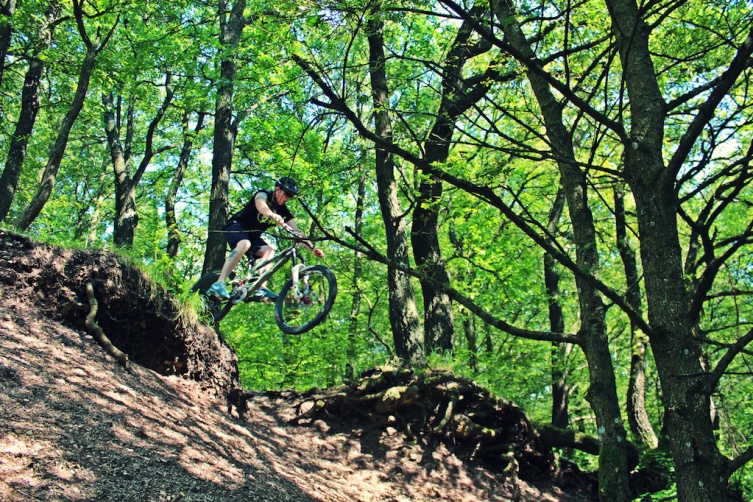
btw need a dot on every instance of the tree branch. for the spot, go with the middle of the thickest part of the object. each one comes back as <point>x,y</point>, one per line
<point>727,359</point>
<point>485,194</point>
<point>739,63</point>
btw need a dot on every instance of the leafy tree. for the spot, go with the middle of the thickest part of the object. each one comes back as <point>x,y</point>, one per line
<point>93,48</point>
<point>409,344</point>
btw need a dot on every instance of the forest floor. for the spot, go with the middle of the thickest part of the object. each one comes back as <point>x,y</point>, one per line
<point>76,425</point>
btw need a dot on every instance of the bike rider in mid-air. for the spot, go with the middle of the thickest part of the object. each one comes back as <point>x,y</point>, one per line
<point>243,232</point>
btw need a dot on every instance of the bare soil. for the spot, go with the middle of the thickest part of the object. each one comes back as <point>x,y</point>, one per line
<point>77,425</point>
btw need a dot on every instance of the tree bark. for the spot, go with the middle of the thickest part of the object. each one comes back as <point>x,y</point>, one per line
<point>702,472</point>
<point>126,211</point>
<point>439,331</point>
<point>468,321</point>
<point>457,97</point>
<point>560,351</point>
<point>27,118</point>
<point>91,215</point>
<point>120,160</point>
<point>355,306</point>
<point>403,312</point>
<point>232,24</point>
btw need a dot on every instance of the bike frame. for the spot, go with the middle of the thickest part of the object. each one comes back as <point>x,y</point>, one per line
<point>277,262</point>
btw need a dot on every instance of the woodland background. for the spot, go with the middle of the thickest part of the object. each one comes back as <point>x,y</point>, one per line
<point>552,198</point>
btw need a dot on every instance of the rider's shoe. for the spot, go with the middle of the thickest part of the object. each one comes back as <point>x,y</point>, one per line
<point>264,295</point>
<point>218,290</point>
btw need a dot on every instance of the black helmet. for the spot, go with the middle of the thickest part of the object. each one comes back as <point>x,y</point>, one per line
<point>288,184</point>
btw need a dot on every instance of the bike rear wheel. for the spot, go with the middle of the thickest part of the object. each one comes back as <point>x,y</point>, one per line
<point>213,310</point>
<point>298,315</point>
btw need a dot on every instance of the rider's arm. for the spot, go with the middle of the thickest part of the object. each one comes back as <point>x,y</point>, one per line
<point>260,200</point>
<point>309,244</point>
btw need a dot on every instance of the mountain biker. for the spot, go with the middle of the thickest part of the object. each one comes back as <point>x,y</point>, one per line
<point>243,232</point>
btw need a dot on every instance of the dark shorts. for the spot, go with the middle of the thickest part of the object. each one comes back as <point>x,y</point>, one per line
<point>234,233</point>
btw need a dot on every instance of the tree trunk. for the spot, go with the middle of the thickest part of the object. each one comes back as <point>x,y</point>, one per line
<point>20,140</point>
<point>560,351</point>
<point>91,215</point>
<point>126,211</point>
<point>701,470</point>
<point>28,116</point>
<point>457,97</point>
<point>47,182</point>
<point>640,425</point>
<point>120,164</point>
<point>439,331</point>
<point>602,393</point>
<point>468,321</point>
<point>355,306</point>
<point>406,331</point>
<point>232,24</point>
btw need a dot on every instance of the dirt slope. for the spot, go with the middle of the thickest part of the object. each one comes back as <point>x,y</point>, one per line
<point>76,425</point>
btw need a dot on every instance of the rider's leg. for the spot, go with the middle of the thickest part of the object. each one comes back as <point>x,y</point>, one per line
<point>233,259</point>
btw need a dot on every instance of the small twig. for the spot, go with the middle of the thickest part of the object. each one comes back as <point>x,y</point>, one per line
<point>97,332</point>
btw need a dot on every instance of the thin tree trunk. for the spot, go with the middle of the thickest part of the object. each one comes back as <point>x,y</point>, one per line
<point>27,118</point>
<point>355,306</point>
<point>402,302</point>
<point>471,338</point>
<point>88,224</point>
<point>560,351</point>
<point>47,182</point>
<point>640,425</point>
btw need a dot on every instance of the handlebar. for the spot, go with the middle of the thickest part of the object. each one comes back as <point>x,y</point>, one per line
<point>300,237</point>
<point>291,231</point>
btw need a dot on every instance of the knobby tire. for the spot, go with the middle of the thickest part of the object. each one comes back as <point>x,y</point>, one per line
<point>296,316</point>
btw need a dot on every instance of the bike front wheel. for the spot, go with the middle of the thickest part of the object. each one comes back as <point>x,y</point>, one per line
<point>298,313</point>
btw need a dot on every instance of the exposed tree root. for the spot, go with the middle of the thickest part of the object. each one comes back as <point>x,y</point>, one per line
<point>97,332</point>
<point>438,405</point>
<point>476,426</point>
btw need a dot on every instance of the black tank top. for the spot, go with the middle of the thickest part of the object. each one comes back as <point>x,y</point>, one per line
<point>250,218</point>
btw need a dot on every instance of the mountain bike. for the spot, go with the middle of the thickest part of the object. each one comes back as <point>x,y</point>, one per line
<point>302,303</point>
